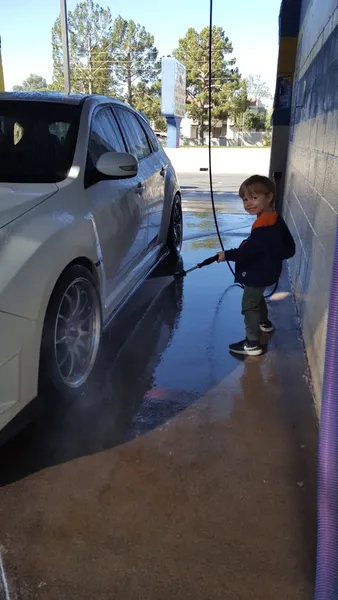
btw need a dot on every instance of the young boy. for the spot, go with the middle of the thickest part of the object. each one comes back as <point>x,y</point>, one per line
<point>259,260</point>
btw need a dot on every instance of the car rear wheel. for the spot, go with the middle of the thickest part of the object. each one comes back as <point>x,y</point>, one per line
<point>175,232</point>
<point>71,333</point>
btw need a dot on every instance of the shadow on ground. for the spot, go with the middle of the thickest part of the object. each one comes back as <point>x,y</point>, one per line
<point>122,400</point>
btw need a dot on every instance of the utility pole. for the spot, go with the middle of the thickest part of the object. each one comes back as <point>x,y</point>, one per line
<point>65,44</point>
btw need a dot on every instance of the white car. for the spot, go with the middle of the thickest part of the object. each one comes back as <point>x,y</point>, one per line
<point>89,205</point>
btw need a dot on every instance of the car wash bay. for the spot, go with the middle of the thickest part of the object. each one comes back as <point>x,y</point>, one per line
<point>182,472</point>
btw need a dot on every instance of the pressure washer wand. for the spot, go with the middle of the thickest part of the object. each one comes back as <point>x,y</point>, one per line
<point>205,263</point>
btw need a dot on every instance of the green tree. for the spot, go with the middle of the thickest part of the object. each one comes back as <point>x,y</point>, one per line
<point>253,121</point>
<point>257,88</point>
<point>268,126</point>
<point>193,52</point>
<point>239,104</point>
<point>148,100</point>
<point>135,58</point>
<point>267,139</point>
<point>32,83</point>
<point>90,28</point>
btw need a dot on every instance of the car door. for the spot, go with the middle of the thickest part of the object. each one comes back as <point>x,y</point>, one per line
<point>156,200</point>
<point>118,205</point>
<point>151,168</point>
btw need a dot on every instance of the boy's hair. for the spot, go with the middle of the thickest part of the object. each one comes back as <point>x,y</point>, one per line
<point>257,184</point>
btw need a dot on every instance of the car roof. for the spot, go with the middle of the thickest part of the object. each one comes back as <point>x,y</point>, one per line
<point>59,98</point>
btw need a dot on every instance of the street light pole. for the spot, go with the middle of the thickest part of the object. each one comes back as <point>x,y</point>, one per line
<point>65,45</point>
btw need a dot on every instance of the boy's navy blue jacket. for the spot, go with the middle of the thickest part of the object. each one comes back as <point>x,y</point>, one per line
<point>259,259</point>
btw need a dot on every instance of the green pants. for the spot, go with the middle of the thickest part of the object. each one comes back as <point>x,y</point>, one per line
<point>254,310</point>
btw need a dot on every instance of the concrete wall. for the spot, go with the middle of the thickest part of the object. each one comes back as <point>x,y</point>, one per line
<point>311,190</point>
<point>249,138</point>
<point>224,160</point>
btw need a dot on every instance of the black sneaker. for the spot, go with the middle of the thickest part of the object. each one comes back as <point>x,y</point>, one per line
<point>247,348</point>
<point>267,327</point>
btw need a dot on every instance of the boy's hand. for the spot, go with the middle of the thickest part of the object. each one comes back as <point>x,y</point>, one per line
<point>221,256</point>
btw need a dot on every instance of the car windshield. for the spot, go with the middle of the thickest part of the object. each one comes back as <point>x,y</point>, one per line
<point>37,140</point>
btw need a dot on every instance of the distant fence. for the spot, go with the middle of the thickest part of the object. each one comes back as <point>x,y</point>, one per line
<point>240,139</point>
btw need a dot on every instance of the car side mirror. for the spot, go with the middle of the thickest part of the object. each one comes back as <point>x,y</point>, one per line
<point>117,165</point>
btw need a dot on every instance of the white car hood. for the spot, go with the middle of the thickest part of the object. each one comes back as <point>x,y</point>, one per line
<point>18,198</point>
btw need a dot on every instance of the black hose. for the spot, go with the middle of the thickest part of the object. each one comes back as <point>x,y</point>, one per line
<point>210,133</point>
<point>210,125</point>
<point>210,146</point>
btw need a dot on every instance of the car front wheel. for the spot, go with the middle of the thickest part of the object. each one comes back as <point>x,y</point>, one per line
<point>175,232</point>
<point>71,333</point>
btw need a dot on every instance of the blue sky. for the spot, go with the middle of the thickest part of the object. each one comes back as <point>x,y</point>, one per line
<point>251,25</point>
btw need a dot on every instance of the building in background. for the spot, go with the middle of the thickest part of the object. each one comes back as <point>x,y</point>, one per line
<point>190,131</point>
<point>304,159</point>
<point>257,106</point>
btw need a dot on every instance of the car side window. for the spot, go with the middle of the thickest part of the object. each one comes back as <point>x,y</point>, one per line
<point>135,135</point>
<point>105,136</point>
<point>151,136</point>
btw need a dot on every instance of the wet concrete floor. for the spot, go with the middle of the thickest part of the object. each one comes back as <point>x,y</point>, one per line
<point>182,472</point>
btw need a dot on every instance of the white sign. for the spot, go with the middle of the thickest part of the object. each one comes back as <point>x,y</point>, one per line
<point>174,88</point>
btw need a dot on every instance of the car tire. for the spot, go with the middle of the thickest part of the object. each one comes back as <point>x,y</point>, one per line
<point>175,231</point>
<point>71,333</point>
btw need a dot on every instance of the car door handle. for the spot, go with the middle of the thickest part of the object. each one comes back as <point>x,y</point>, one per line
<point>163,170</point>
<point>140,188</point>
